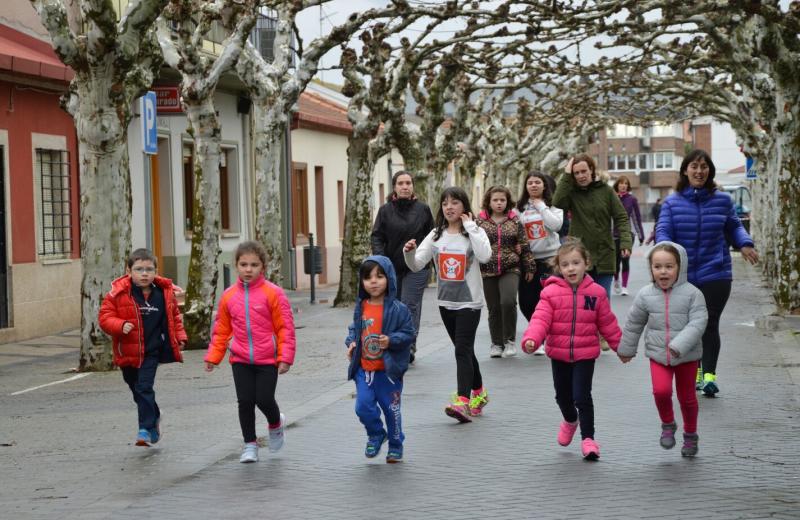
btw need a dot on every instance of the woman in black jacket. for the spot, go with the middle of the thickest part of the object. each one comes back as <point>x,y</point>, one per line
<point>402,218</point>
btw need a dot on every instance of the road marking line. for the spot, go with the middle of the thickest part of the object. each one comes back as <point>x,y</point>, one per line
<point>73,378</point>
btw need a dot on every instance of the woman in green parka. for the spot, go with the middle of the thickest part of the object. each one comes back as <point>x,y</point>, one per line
<point>594,206</point>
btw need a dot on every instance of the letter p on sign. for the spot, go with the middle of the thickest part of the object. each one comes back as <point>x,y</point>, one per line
<point>149,130</point>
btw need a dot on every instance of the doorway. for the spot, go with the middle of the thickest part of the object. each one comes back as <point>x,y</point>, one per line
<point>4,301</point>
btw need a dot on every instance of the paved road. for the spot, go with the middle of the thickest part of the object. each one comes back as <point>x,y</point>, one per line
<point>72,455</point>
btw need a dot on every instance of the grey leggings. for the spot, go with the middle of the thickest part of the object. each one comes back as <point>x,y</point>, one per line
<point>501,300</point>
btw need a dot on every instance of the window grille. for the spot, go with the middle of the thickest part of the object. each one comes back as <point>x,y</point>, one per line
<point>55,237</point>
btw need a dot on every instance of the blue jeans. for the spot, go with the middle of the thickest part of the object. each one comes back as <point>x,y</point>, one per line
<point>140,381</point>
<point>603,280</point>
<point>379,391</point>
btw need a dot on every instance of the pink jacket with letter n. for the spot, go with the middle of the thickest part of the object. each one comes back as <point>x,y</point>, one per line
<point>259,318</point>
<point>570,319</point>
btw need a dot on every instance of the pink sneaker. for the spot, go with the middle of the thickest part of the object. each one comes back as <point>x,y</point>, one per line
<point>590,449</point>
<point>458,409</point>
<point>566,431</point>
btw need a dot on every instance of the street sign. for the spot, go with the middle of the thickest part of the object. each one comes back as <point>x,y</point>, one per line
<point>750,168</point>
<point>149,130</point>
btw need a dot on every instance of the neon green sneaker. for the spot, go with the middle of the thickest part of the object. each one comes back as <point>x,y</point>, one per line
<point>478,399</point>
<point>710,387</point>
<point>458,408</point>
<point>698,381</point>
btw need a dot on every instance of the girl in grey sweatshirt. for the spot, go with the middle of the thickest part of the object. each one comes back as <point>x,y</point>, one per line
<point>675,314</point>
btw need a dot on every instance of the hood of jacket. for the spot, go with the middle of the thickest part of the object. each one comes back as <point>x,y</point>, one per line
<point>683,270</point>
<point>391,278</point>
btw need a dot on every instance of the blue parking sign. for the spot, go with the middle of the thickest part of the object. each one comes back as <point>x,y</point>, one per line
<point>750,168</point>
<point>149,130</point>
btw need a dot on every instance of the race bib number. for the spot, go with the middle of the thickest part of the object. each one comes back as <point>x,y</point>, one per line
<point>452,266</point>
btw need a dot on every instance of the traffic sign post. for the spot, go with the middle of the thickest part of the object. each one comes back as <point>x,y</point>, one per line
<point>750,167</point>
<point>149,130</point>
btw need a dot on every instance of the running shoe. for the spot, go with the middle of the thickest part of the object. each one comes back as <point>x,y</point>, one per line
<point>616,287</point>
<point>667,440</point>
<point>374,444</point>
<point>710,387</point>
<point>495,351</point>
<point>458,409</point>
<point>478,399</point>
<point>394,455</point>
<point>690,444</point>
<point>250,453</point>
<point>590,449</point>
<point>510,350</point>
<point>566,431</point>
<point>143,438</point>
<point>276,435</point>
<point>624,291</point>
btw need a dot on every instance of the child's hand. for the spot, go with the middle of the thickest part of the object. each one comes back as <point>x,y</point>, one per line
<point>410,245</point>
<point>383,342</point>
<point>624,359</point>
<point>127,327</point>
<point>209,366</point>
<point>350,350</point>
<point>466,217</point>
<point>181,345</point>
<point>283,367</point>
<point>674,352</point>
<point>529,346</point>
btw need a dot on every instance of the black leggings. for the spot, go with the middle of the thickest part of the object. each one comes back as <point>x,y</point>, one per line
<point>255,386</point>
<point>461,326</point>
<point>573,383</point>
<point>716,294</point>
<point>624,261</point>
<point>530,292</point>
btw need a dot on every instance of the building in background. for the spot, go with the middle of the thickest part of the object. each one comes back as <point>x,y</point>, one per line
<point>40,268</point>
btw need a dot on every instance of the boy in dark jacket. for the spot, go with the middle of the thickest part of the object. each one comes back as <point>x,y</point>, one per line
<point>379,345</point>
<point>141,314</point>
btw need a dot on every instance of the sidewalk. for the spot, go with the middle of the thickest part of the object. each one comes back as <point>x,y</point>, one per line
<point>73,458</point>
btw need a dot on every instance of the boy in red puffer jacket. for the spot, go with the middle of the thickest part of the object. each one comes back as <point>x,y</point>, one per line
<point>572,310</point>
<point>141,314</point>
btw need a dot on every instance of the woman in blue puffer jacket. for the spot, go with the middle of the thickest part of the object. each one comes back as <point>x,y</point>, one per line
<point>703,220</point>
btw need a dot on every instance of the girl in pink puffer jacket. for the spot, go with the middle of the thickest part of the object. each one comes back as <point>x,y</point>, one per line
<point>572,310</point>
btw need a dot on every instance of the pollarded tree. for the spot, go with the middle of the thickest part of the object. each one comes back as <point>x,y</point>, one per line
<point>114,59</point>
<point>274,88</point>
<point>182,28</point>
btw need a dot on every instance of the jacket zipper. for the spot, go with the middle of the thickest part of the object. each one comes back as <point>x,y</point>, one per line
<point>139,330</point>
<point>666,316</point>
<point>699,227</point>
<point>247,322</point>
<point>499,245</point>
<point>574,317</point>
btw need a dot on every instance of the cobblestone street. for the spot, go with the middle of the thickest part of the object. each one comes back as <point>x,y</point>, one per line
<point>71,453</point>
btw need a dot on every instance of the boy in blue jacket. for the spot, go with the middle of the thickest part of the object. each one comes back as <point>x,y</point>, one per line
<point>379,347</point>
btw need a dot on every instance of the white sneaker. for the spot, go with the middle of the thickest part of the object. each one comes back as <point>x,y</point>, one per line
<point>624,291</point>
<point>250,453</point>
<point>496,351</point>
<point>276,436</point>
<point>510,350</point>
<point>617,288</point>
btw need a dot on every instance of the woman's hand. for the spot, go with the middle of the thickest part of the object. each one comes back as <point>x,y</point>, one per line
<point>529,277</point>
<point>283,367</point>
<point>568,167</point>
<point>410,245</point>
<point>750,254</point>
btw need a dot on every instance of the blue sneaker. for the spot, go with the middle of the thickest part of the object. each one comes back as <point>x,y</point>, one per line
<point>143,438</point>
<point>374,444</point>
<point>394,455</point>
<point>155,433</point>
<point>710,387</point>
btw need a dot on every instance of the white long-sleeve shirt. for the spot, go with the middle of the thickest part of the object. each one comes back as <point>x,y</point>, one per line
<point>542,224</point>
<point>457,260</point>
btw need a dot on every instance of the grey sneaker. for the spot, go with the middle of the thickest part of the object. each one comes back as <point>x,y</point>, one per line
<point>690,442</point>
<point>496,351</point>
<point>510,350</point>
<point>250,453</point>
<point>276,436</point>
<point>668,435</point>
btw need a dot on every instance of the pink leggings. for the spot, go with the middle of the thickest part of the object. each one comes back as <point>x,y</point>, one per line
<point>684,386</point>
